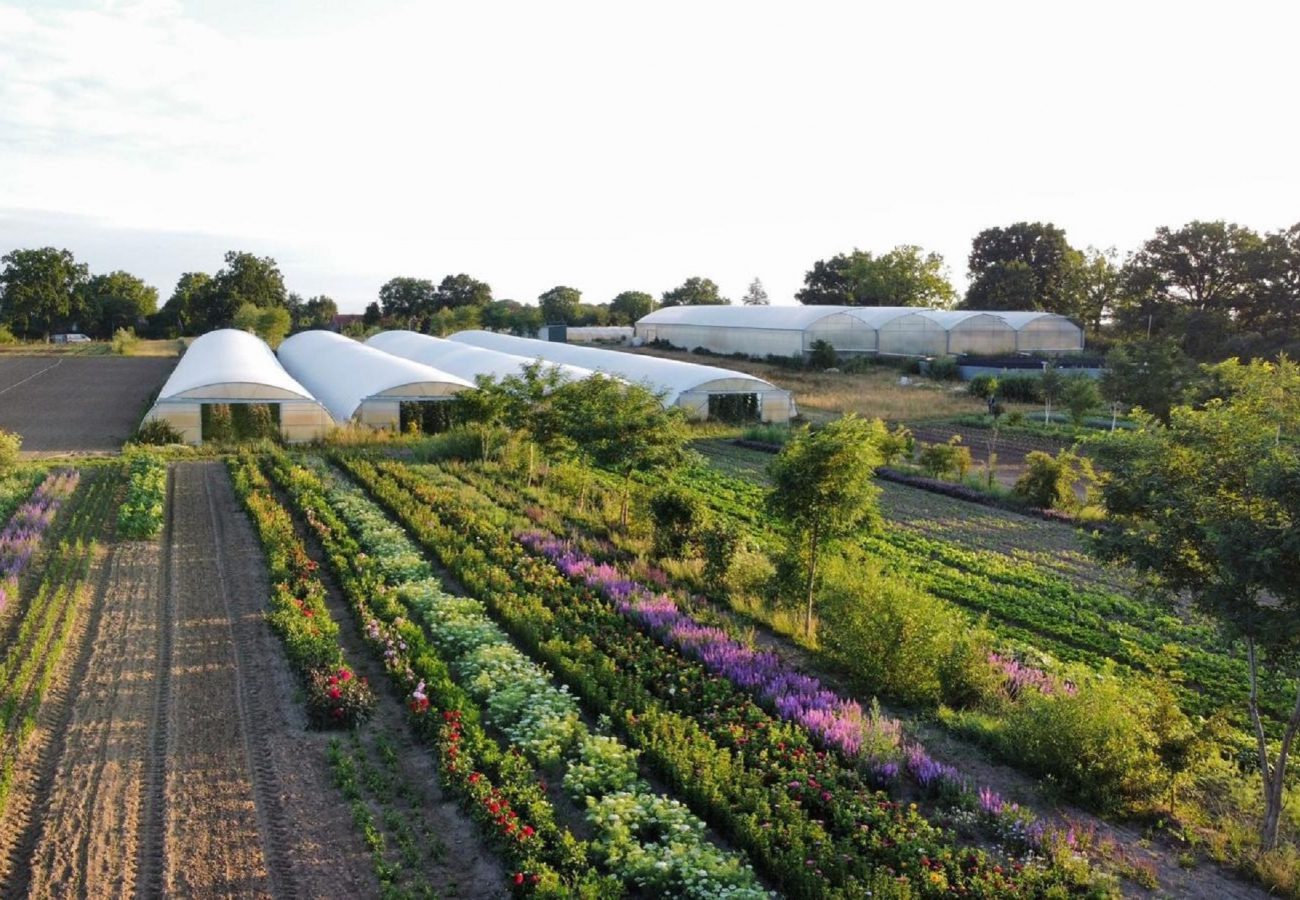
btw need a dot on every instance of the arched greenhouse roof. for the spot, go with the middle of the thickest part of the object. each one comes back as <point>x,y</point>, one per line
<point>344,373</point>
<point>230,364</point>
<point>669,376</point>
<point>463,360</point>
<point>792,318</point>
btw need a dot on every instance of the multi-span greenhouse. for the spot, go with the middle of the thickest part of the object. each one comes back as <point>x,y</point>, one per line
<point>463,360</point>
<point>703,391</point>
<point>853,330</point>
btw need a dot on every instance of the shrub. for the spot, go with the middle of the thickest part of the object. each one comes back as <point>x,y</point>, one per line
<point>1023,388</point>
<point>158,432</point>
<point>952,458</point>
<point>10,444</point>
<point>896,444</point>
<point>944,368</point>
<point>1080,397</point>
<point>983,386</point>
<point>124,341</point>
<point>7,336</point>
<point>1048,482</point>
<point>822,355</point>
<point>675,515</point>
<point>336,698</point>
<point>1094,743</point>
<point>218,424</point>
<point>719,544</point>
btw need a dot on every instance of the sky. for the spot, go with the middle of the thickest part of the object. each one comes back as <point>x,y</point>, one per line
<point>614,146</point>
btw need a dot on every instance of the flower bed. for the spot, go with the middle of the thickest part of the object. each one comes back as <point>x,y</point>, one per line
<point>814,824</point>
<point>26,529</point>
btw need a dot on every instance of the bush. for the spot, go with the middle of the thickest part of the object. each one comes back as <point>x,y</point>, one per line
<point>1048,482</point>
<point>899,641</point>
<point>719,544</point>
<point>822,355</point>
<point>10,444</point>
<point>983,386</point>
<point>158,432</point>
<point>896,444</point>
<point>336,698</point>
<point>1094,743</point>
<point>940,460</point>
<point>7,336</point>
<point>675,515</point>
<point>944,368</point>
<point>1080,396</point>
<point>1022,388</point>
<point>124,341</point>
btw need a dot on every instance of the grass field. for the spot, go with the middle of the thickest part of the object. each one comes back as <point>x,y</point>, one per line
<point>162,348</point>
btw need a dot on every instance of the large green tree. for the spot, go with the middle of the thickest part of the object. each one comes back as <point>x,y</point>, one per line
<point>1154,375</point>
<point>461,290</point>
<point>182,312</point>
<point>408,300</point>
<point>118,300</point>
<point>629,306</point>
<point>694,292</point>
<point>1024,266</point>
<point>316,313</point>
<point>822,491</point>
<point>41,290</point>
<point>904,276</point>
<point>1206,507</point>
<point>245,278</point>
<point>560,305</point>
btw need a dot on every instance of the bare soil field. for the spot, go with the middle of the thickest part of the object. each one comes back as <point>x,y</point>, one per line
<point>76,404</point>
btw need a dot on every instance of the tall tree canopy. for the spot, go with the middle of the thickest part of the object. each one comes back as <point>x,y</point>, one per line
<point>41,290</point>
<point>560,305</point>
<point>694,292</point>
<point>318,312</point>
<point>755,294</point>
<point>629,306</point>
<point>1207,507</point>
<point>905,276</point>
<point>1025,266</point>
<point>407,299</point>
<point>181,313</point>
<point>461,290</point>
<point>244,279</point>
<point>117,300</point>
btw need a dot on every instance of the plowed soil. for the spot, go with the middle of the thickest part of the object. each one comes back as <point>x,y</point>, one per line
<point>76,404</point>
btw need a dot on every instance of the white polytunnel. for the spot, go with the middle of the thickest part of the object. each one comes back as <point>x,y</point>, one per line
<point>362,384</point>
<point>235,369</point>
<point>703,391</point>
<point>973,332</point>
<point>463,360</point>
<point>1044,332</point>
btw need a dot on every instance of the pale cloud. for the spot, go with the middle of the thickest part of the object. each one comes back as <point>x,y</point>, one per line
<point>616,146</point>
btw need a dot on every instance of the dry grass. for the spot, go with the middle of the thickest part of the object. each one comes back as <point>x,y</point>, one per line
<point>156,349</point>
<point>875,394</point>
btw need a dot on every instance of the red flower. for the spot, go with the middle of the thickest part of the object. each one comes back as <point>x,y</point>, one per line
<point>519,878</point>
<point>335,693</point>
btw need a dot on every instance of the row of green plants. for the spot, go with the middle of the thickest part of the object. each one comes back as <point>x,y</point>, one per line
<point>144,508</point>
<point>36,647</point>
<point>640,836</point>
<point>336,697</point>
<point>498,788</point>
<point>811,819</point>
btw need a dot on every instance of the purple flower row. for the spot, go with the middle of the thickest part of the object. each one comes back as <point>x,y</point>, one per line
<point>22,536</point>
<point>1019,678</point>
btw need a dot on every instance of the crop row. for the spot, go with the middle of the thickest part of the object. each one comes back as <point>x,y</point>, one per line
<point>498,789</point>
<point>26,529</point>
<point>810,819</point>
<point>640,836</point>
<point>141,513</point>
<point>36,647</point>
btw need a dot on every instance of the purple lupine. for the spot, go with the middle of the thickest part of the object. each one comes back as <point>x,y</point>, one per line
<point>22,536</point>
<point>1019,677</point>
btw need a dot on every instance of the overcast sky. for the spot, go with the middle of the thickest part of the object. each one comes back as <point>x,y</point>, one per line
<point>615,146</point>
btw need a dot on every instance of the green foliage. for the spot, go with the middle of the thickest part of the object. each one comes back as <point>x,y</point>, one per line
<point>124,341</point>
<point>755,294</point>
<point>822,355</point>
<point>40,290</point>
<point>158,432</point>
<point>720,542</point>
<point>10,444</point>
<point>217,423</point>
<point>734,408</point>
<point>142,511</point>
<point>629,306</point>
<point>117,301</point>
<point>901,642</point>
<point>822,491</point>
<point>944,460</point>
<point>694,292</point>
<point>945,368</point>
<point>1024,266</point>
<point>7,336</point>
<point>676,516</point>
<point>905,276</point>
<point>186,310</point>
<point>983,385</point>
<point>560,305</point>
<point>1048,482</point>
<point>896,445</point>
<point>1079,395</point>
<point>1152,375</point>
<point>1096,744</point>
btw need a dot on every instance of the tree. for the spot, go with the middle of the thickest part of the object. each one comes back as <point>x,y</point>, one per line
<point>629,306</point>
<point>618,426</point>
<point>318,312</point>
<point>245,279</point>
<point>694,292</point>
<point>755,295</point>
<point>1052,383</point>
<point>117,300</point>
<point>180,314</point>
<point>560,305</point>
<point>1153,375</point>
<point>1094,285</point>
<point>1205,507</point>
<point>822,491</point>
<point>1079,395</point>
<point>408,300</point>
<point>40,290</point>
<point>371,316</point>
<point>461,290</point>
<point>273,325</point>
<point>1024,266</point>
<point>905,276</point>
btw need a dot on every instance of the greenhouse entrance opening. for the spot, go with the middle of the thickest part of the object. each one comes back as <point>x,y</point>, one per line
<point>425,416</point>
<point>735,408</point>
<point>231,422</point>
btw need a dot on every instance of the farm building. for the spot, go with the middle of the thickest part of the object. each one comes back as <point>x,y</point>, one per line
<point>231,368</point>
<point>888,330</point>
<point>463,360</point>
<point>703,391</point>
<point>361,384</point>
